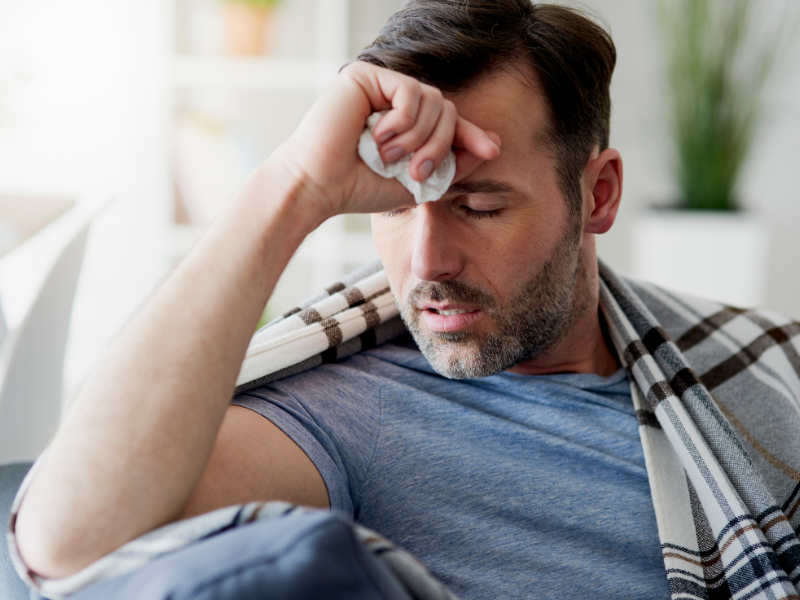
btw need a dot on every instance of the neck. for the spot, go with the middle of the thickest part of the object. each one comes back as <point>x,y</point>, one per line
<point>584,347</point>
<point>588,354</point>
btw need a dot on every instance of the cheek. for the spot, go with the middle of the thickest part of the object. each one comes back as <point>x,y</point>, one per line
<point>515,253</point>
<point>394,245</point>
<point>391,236</point>
<point>511,246</point>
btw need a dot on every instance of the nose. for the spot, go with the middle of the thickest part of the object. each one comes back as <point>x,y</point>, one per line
<point>436,253</point>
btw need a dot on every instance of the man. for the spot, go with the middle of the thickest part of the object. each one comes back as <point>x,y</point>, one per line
<point>525,482</point>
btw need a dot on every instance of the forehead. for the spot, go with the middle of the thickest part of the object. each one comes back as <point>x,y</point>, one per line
<point>508,102</point>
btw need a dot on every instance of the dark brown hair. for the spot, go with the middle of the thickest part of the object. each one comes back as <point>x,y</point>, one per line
<point>450,44</point>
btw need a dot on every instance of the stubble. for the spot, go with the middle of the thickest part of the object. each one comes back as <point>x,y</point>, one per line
<point>523,328</point>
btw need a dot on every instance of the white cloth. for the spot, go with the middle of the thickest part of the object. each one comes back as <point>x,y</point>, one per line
<point>429,190</point>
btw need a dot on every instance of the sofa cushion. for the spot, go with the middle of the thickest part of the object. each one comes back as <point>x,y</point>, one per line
<point>11,586</point>
<point>314,556</point>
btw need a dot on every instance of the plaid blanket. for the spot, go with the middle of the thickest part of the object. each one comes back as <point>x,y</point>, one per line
<point>415,578</point>
<point>717,397</point>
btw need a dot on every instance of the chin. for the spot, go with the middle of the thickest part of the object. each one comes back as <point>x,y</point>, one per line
<point>460,355</point>
<point>457,366</point>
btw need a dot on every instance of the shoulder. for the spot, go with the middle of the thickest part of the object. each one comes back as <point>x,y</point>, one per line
<point>746,357</point>
<point>356,379</point>
<point>333,413</point>
<point>749,361</point>
<point>691,322</point>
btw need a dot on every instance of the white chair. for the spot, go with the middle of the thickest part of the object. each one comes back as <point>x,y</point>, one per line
<point>32,353</point>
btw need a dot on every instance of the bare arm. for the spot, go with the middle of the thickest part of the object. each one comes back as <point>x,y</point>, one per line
<point>132,447</point>
<point>253,460</point>
<point>133,451</point>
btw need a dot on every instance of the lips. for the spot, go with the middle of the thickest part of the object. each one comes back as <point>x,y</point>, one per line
<point>449,313</point>
<point>446,306</point>
<point>442,318</point>
<point>449,306</point>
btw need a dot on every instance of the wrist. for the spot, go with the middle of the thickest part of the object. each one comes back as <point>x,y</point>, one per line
<point>279,191</point>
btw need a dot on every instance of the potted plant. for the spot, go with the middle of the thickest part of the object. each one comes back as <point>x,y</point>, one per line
<point>717,65</point>
<point>249,26</point>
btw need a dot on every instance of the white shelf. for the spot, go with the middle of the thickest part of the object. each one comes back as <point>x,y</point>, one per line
<point>332,250</point>
<point>338,247</point>
<point>267,74</point>
<point>331,246</point>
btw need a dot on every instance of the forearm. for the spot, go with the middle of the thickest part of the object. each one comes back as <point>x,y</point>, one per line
<point>135,442</point>
<point>136,439</point>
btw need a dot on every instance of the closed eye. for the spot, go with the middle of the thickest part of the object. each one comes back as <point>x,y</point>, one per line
<point>470,212</point>
<point>395,212</point>
<point>480,214</point>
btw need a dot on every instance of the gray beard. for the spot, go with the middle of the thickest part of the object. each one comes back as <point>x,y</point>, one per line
<point>524,328</point>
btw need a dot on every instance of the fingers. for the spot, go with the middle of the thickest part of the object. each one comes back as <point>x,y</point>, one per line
<point>404,111</point>
<point>467,162</point>
<point>416,137</point>
<point>422,121</point>
<point>431,136</point>
<point>495,139</point>
<point>484,145</point>
<point>428,158</point>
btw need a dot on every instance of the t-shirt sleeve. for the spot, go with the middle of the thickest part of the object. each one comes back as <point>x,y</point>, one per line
<point>333,413</point>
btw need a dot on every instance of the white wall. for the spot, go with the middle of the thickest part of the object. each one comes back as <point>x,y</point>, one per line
<point>638,131</point>
<point>83,106</point>
<point>81,111</point>
<point>85,109</point>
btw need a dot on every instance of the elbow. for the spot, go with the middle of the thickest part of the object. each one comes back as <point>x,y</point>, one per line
<point>45,551</point>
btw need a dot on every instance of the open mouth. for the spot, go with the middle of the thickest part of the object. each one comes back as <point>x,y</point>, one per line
<point>448,313</point>
<point>450,320</point>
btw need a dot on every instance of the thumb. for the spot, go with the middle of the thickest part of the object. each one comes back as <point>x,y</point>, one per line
<point>467,162</point>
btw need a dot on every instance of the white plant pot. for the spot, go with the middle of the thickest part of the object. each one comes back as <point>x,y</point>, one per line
<point>721,256</point>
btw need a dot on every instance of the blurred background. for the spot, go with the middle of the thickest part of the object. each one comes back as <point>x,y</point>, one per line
<point>164,106</point>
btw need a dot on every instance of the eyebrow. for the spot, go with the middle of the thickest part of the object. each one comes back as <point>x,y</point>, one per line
<point>481,186</point>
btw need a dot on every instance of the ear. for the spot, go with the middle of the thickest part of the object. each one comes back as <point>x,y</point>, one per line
<point>602,188</point>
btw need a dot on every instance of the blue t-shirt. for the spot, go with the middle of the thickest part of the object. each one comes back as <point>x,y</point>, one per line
<point>510,486</point>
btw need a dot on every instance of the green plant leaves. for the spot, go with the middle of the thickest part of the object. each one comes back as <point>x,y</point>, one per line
<point>717,65</point>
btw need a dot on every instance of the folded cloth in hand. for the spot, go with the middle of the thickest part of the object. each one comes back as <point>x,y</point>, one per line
<point>431,189</point>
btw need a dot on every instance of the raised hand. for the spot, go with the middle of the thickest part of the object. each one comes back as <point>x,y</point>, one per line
<point>128,458</point>
<point>322,153</point>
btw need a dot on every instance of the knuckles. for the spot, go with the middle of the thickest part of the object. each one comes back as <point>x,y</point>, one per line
<point>403,118</point>
<point>433,96</point>
<point>438,149</point>
<point>414,139</point>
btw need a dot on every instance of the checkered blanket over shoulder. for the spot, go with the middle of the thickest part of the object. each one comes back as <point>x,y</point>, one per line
<point>716,391</point>
<point>717,396</point>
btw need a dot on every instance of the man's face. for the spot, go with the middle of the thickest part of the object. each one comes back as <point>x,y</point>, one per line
<point>484,278</point>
